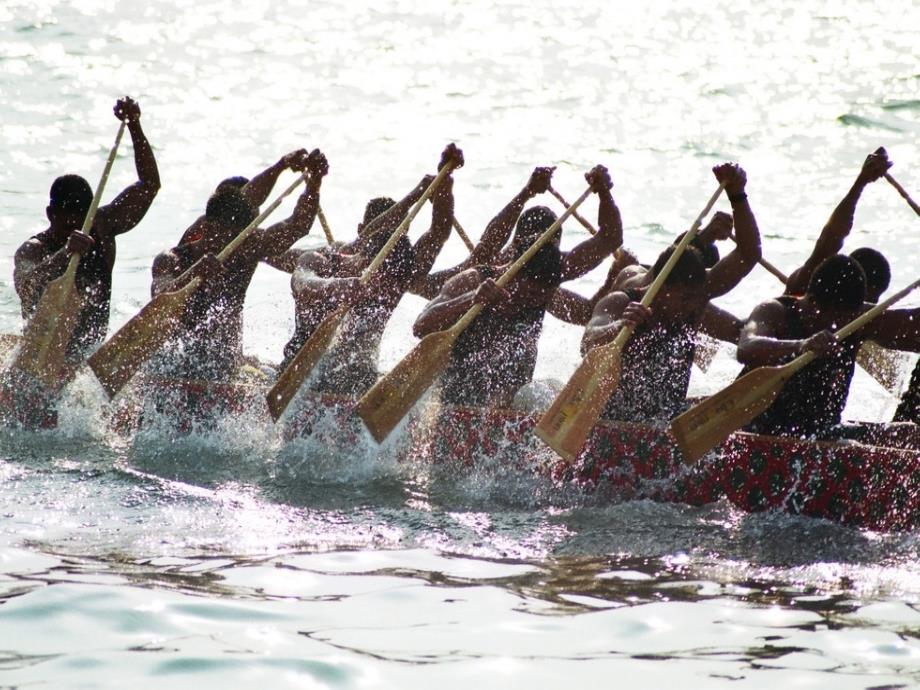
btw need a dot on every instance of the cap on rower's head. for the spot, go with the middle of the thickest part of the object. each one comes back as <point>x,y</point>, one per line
<point>229,209</point>
<point>689,271</point>
<point>545,267</point>
<point>237,181</point>
<point>839,281</point>
<point>375,207</point>
<point>70,194</point>
<point>534,222</point>
<point>877,270</point>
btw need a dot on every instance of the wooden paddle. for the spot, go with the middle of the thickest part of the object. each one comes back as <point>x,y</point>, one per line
<point>575,411</point>
<point>291,379</point>
<point>910,202</point>
<point>122,355</point>
<point>391,398</point>
<point>710,422</point>
<point>48,332</point>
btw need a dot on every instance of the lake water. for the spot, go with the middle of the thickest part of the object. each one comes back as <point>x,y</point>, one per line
<point>232,559</point>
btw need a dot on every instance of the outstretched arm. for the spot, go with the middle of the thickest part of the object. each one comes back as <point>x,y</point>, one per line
<point>588,254</point>
<point>570,307</point>
<point>729,271</point>
<point>130,206</point>
<point>279,237</point>
<point>259,187</point>
<point>840,223</point>
<point>499,228</point>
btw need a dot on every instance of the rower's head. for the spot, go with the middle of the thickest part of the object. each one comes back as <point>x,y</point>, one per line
<point>685,285</point>
<point>838,286</point>
<point>877,270</point>
<point>399,262</point>
<point>374,208</point>
<point>237,182</point>
<point>228,212</point>
<point>69,200</point>
<point>533,223</point>
<point>538,278</point>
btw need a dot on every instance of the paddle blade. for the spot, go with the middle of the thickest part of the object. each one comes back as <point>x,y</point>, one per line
<point>707,424</point>
<point>48,332</point>
<point>291,379</point>
<point>391,398</point>
<point>888,367</point>
<point>566,424</point>
<point>125,352</point>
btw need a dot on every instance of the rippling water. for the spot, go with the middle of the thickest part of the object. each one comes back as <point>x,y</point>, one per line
<point>234,559</point>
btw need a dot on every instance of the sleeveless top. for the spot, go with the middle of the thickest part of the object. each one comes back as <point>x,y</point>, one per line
<point>655,369</point>
<point>495,355</point>
<point>812,401</point>
<point>94,280</point>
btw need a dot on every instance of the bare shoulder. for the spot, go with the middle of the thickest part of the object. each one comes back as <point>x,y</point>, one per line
<point>31,250</point>
<point>462,282</point>
<point>612,303</point>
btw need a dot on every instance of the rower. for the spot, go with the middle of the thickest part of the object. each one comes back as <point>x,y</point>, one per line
<point>497,353</point>
<point>211,344</point>
<point>656,361</point>
<point>811,402</point>
<point>326,279</point>
<point>45,256</point>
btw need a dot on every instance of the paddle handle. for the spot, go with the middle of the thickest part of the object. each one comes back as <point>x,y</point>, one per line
<point>403,227</point>
<point>327,231</point>
<point>249,229</point>
<point>913,204</point>
<point>463,236</point>
<point>590,228</point>
<point>679,249</point>
<point>94,205</point>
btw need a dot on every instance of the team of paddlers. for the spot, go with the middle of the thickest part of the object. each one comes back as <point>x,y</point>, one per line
<point>495,355</point>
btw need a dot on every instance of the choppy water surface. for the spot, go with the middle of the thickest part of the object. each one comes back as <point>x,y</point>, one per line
<point>235,559</point>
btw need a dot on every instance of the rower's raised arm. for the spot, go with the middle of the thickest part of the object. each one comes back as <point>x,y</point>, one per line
<point>500,227</point>
<point>279,237</point>
<point>729,271</point>
<point>429,245</point>
<point>259,187</point>
<point>130,206</point>
<point>588,254</point>
<point>840,223</point>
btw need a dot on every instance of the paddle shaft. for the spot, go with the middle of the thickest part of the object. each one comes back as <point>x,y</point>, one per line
<point>463,236</point>
<point>71,272</point>
<point>780,276</point>
<point>590,228</point>
<point>913,204</point>
<point>327,231</point>
<point>669,265</point>
<point>403,227</point>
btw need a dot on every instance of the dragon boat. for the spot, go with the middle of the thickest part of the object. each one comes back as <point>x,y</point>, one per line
<point>857,484</point>
<point>867,486</point>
